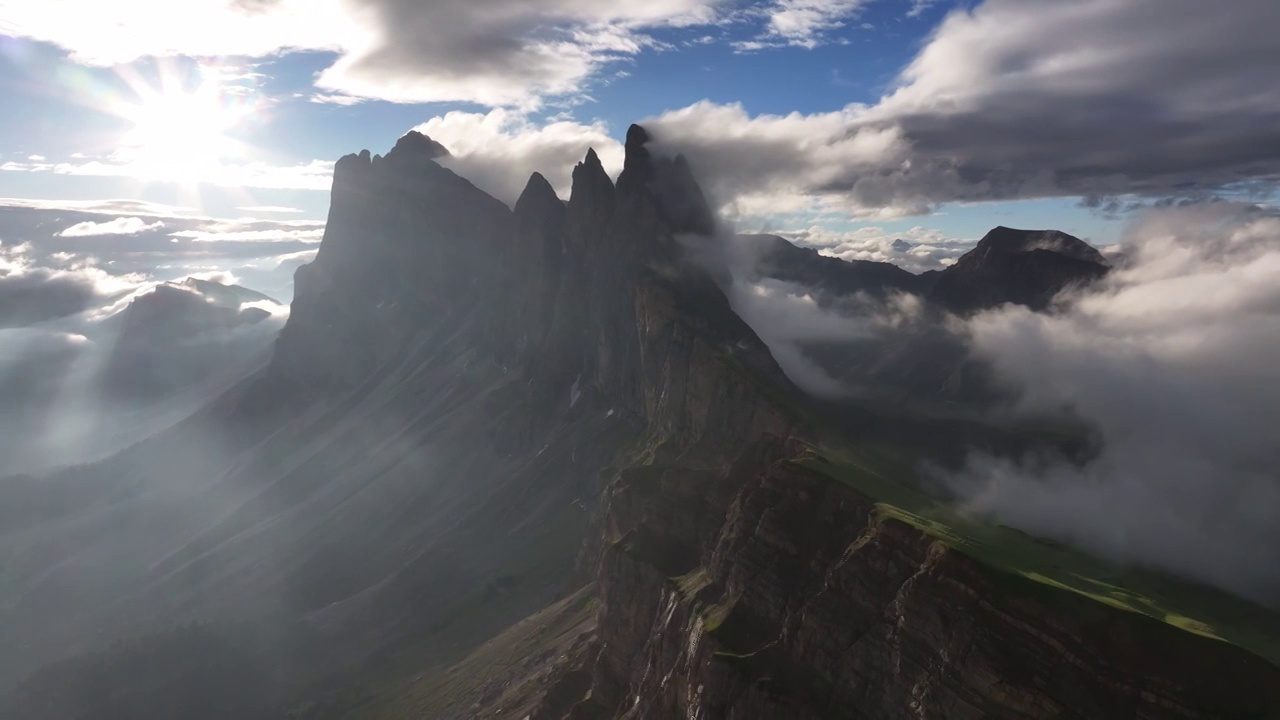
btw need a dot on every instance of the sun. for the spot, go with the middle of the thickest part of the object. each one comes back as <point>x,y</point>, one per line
<point>181,133</point>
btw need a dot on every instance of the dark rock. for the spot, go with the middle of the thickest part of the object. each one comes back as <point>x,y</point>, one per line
<point>1024,267</point>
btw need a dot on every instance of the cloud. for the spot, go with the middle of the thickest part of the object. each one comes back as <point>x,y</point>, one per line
<point>499,150</point>
<point>94,379</point>
<point>274,235</point>
<point>107,206</point>
<point>918,7</point>
<point>296,258</point>
<point>787,317</point>
<point>916,250</point>
<point>171,243</point>
<point>269,209</point>
<point>791,318</point>
<point>802,23</point>
<point>1016,99</point>
<point>118,226</point>
<point>1172,360</point>
<point>336,99</point>
<point>313,175</point>
<point>492,52</point>
<point>31,293</point>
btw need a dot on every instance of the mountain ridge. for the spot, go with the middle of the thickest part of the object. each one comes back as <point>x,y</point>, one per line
<point>437,459</point>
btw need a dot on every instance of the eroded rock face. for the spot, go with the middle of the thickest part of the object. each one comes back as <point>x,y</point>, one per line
<point>758,589</point>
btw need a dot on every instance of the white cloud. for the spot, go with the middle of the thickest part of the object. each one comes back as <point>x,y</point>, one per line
<point>275,235</point>
<point>109,206</point>
<point>119,226</point>
<point>36,158</point>
<point>269,209</point>
<point>493,52</point>
<point>314,175</point>
<point>302,256</point>
<point>803,23</point>
<point>336,99</point>
<point>916,250</point>
<point>1173,360</point>
<point>499,150</point>
<point>918,7</point>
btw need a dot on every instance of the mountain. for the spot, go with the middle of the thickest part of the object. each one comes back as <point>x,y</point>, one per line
<point>177,335</point>
<point>830,277</point>
<point>84,388</point>
<point>1024,267</point>
<point>530,463</point>
<point>921,358</point>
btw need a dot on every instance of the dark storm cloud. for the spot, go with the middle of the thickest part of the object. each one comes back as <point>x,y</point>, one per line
<point>1018,99</point>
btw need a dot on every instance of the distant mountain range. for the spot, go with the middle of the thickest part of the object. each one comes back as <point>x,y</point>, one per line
<point>1024,267</point>
<point>532,463</point>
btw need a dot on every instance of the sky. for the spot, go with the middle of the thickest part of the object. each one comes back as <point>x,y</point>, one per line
<point>841,124</point>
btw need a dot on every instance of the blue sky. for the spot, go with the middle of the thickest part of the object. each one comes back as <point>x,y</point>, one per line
<point>845,124</point>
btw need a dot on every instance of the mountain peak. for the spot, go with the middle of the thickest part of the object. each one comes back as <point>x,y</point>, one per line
<point>417,145</point>
<point>637,167</point>
<point>590,181</point>
<point>637,135</point>
<point>1003,239</point>
<point>1025,267</point>
<point>537,193</point>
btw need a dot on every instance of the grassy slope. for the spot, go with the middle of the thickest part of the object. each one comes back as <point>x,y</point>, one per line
<point>875,472</point>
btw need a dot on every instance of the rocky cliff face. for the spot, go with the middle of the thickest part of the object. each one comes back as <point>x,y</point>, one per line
<point>759,589</point>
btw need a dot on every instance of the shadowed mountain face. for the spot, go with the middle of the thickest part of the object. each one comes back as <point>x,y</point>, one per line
<point>1024,267</point>
<point>907,350</point>
<point>531,463</point>
<point>832,278</point>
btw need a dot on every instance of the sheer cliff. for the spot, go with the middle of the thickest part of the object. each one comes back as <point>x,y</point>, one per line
<point>528,462</point>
